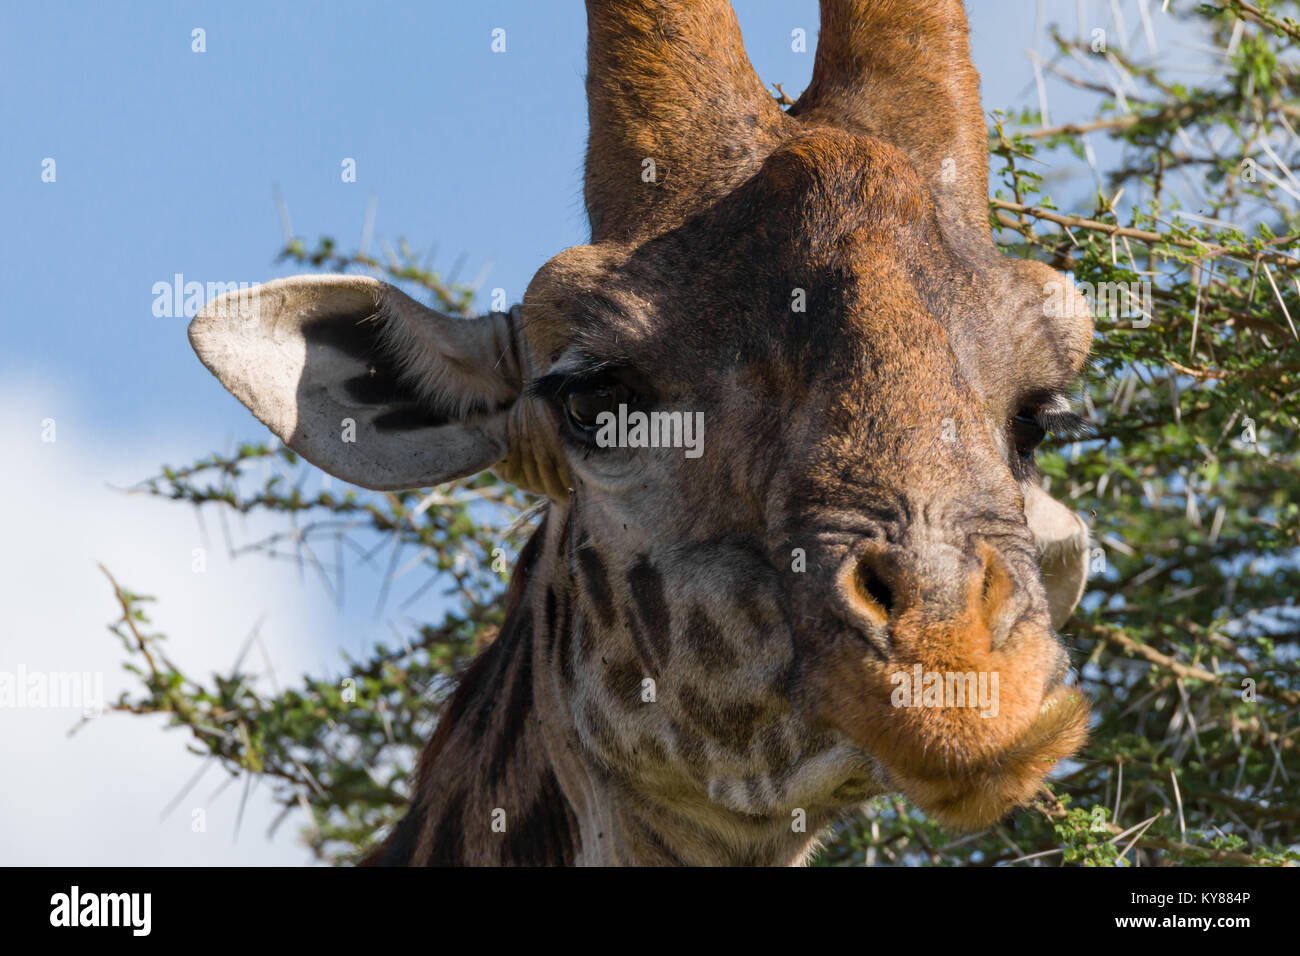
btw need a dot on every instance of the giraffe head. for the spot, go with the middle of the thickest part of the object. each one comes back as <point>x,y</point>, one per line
<point>835,574</point>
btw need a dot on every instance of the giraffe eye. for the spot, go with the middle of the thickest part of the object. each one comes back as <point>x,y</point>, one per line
<point>583,405</point>
<point>1027,432</point>
<point>1034,422</point>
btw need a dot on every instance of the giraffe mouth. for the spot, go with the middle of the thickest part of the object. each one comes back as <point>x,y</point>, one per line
<point>974,797</point>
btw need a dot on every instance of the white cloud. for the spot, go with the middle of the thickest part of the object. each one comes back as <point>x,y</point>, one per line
<point>95,798</point>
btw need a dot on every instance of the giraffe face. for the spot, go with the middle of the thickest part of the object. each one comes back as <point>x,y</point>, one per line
<point>753,613</point>
<point>839,577</point>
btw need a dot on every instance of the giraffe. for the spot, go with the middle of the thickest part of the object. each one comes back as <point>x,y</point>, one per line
<point>702,656</point>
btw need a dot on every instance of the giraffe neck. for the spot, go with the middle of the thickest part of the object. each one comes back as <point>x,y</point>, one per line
<point>485,792</point>
<point>505,780</point>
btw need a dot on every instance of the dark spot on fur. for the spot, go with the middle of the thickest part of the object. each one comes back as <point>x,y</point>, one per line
<point>647,586</point>
<point>688,747</point>
<point>776,754</point>
<point>517,705</point>
<point>597,584</point>
<point>730,723</point>
<point>550,615</point>
<point>708,644</point>
<point>623,682</point>
<point>564,642</point>
<point>643,649</point>
<point>543,834</point>
<point>449,837</point>
<point>400,847</point>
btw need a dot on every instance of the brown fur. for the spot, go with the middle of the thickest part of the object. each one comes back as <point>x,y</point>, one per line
<point>771,683</point>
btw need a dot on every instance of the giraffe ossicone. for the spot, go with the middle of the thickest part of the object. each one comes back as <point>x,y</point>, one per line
<point>866,504</point>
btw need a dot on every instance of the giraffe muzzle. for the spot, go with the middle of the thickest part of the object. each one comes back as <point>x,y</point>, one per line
<point>956,690</point>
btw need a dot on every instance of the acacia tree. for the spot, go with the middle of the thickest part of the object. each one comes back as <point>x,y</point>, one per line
<point>1187,642</point>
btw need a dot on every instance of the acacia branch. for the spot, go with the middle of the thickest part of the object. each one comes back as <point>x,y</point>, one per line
<point>1251,12</point>
<point>1190,671</point>
<point>1144,235</point>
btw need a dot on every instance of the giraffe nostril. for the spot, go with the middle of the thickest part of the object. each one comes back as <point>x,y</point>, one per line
<point>869,583</point>
<point>866,601</point>
<point>874,587</point>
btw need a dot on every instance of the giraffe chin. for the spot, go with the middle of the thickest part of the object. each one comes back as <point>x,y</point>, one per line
<point>976,797</point>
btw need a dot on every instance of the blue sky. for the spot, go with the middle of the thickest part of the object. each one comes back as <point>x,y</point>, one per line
<point>166,160</point>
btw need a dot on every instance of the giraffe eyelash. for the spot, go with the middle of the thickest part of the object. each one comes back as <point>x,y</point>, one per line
<point>555,384</point>
<point>1066,424</point>
<point>1052,413</point>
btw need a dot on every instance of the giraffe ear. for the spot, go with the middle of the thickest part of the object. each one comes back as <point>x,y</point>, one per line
<point>1062,540</point>
<point>362,380</point>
